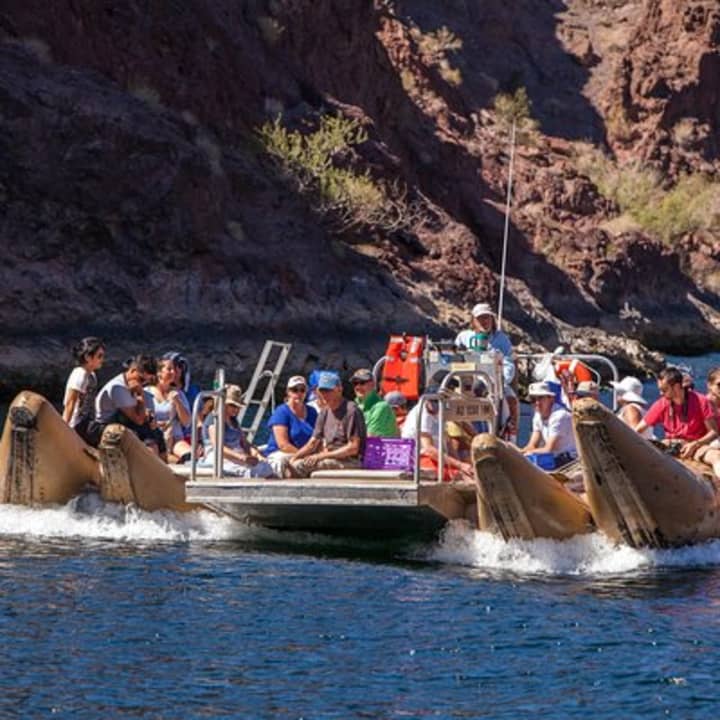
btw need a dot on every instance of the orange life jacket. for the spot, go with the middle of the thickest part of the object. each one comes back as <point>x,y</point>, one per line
<point>575,368</point>
<point>402,370</point>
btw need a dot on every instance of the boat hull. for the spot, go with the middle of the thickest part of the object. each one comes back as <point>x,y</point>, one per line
<point>638,494</point>
<point>44,461</point>
<point>516,499</point>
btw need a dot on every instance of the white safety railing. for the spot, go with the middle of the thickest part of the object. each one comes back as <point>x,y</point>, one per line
<point>587,358</point>
<point>218,395</point>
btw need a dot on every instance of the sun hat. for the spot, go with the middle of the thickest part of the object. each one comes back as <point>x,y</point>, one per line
<point>395,399</point>
<point>233,395</point>
<point>362,375</point>
<point>541,389</point>
<point>296,380</point>
<point>586,388</point>
<point>328,380</point>
<point>482,309</point>
<point>629,389</point>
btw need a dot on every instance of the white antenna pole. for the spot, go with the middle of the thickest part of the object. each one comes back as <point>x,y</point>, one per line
<point>507,224</point>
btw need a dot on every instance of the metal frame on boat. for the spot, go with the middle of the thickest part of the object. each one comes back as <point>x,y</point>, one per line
<point>362,502</point>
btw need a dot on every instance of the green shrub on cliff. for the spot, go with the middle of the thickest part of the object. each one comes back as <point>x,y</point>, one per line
<point>693,203</point>
<point>517,108</point>
<point>350,196</point>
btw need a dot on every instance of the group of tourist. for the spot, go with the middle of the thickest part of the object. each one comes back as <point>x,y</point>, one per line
<point>317,428</point>
<point>151,397</point>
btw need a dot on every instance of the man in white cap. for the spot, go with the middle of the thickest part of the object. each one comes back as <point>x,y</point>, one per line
<point>484,335</point>
<point>551,426</point>
<point>632,404</point>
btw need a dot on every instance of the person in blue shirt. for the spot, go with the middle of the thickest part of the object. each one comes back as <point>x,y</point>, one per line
<point>291,426</point>
<point>484,335</point>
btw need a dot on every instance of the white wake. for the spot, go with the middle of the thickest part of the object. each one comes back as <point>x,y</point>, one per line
<point>590,554</point>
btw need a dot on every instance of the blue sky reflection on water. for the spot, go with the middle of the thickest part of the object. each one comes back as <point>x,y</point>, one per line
<point>249,628</point>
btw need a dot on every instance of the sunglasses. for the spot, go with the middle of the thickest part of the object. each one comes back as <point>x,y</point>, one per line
<point>360,382</point>
<point>297,388</point>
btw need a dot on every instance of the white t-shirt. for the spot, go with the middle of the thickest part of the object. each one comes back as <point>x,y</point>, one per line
<point>113,396</point>
<point>85,383</point>
<point>428,424</point>
<point>559,425</point>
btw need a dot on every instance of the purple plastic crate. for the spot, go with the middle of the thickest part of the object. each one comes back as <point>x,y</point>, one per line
<point>389,454</point>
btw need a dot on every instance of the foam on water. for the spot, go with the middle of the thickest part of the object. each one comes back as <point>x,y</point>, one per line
<point>591,554</point>
<point>88,516</point>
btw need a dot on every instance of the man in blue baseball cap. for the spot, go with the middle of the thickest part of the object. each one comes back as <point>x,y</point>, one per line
<point>338,439</point>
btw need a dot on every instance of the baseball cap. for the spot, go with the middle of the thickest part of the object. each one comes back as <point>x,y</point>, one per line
<point>541,389</point>
<point>362,375</point>
<point>328,380</point>
<point>395,399</point>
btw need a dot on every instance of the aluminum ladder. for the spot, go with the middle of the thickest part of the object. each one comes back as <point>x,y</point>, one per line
<point>259,396</point>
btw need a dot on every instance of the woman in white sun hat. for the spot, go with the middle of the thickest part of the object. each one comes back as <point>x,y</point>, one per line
<point>632,403</point>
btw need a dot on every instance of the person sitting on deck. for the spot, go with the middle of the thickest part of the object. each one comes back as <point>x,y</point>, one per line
<point>632,404</point>
<point>291,426</point>
<point>172,411</point>
<point>484,335</point>
<point>686,416</point>
<point>123,400</point>
<point>710,454</point>
<point>81,386</point>
<point>182,379</point>
<point>551,426</point>
<point>398,404</point>
<point>240,458</point>
<point>338,440</point>
<point>429,435</point>
<point>379,416</point>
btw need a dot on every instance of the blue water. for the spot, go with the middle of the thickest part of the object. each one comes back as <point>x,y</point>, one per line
<point>107,612</point>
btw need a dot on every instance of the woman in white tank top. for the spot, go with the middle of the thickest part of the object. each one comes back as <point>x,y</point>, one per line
<point>632,404</point>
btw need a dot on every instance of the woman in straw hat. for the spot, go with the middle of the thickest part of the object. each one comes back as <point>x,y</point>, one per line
<point>240,458</point>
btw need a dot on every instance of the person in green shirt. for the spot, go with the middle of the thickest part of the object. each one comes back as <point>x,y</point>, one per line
<point>379,416</point>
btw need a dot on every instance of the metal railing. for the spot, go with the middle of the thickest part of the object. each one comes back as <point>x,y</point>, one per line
<point>218,395</point>
<point>445,393</point>
<point>585,358</point>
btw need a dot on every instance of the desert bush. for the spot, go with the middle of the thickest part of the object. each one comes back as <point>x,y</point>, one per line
<point>517,108</point>
<point>435,45</point>
<point>693,203</point>
<point>349,196</point>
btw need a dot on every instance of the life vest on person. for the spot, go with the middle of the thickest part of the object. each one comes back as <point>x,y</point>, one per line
<point>573,369</point>
<point>402,370</point>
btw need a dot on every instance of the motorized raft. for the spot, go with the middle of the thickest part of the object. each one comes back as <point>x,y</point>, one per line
<point>43,461</point>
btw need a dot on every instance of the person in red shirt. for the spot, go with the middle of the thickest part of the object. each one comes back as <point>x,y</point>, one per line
<point>684,414</point>
<point>710,454</point>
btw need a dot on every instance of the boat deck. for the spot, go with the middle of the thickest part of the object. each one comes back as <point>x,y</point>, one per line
<point>377,505</point>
